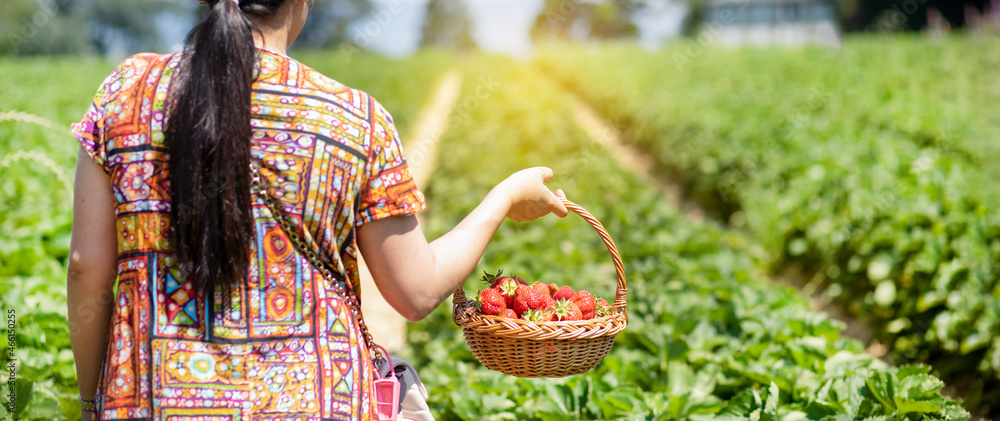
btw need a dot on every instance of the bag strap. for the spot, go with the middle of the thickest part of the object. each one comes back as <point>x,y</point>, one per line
<point>308,247</point>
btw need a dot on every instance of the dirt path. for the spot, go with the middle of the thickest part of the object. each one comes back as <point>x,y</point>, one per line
<point>629,157</point>
<point>640,164</point>
<point>386,325</point>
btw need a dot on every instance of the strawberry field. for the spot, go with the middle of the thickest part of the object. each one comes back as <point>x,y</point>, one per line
<point>878,185</point>
<point>856,174</point>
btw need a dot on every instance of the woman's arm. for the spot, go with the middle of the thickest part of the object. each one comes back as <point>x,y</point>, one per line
<point>415,276</point>
<point>93,267</point>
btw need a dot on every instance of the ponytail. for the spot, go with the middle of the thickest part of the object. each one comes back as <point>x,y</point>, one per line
<point>208,136</point>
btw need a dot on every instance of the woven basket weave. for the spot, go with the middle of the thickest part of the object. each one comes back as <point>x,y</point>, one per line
<point>545,349</point>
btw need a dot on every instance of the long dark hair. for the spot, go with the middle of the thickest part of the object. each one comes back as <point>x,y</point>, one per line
<point>208,135</point>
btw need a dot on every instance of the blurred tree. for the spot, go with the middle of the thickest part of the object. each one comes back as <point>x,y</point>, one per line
<point>329,20</point>
<point>119,27</point>
<point>556,20</point>
<point>447,25</point>
<point>694,17</point>
<point>130,26</point>
<point>613,19</point>
<point>31,27</point>
<point>892,15</point>
<point>576,19</point>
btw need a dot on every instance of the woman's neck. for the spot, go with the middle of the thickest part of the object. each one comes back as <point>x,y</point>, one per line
<point>275,41</point>
<point>273,33</point>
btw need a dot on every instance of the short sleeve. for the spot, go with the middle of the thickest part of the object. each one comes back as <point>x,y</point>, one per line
<point>90,131</point>
<point>388,188</point>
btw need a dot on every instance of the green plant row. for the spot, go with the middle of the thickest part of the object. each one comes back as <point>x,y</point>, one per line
<point>707,337</point>
<point>823,156</point>
<point>36,175</point>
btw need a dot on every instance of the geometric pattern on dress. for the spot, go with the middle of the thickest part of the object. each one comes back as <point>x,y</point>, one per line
<point>283,346</point>
<point>125,375</point>
<point>179,300</point>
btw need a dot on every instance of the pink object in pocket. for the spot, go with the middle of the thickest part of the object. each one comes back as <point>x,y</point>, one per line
<point>387,394</point>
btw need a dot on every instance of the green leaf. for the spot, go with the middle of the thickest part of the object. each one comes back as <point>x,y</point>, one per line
<point>771,406</point>
<point>907,406</point>
<point>24,390</point>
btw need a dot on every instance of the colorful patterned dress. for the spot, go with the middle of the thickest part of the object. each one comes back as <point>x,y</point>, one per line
<point>286,347</point>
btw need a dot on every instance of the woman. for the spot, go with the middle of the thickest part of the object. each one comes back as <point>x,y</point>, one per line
<point>216,314</point>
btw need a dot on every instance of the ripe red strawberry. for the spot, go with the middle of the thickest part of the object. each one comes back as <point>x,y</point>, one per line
<point>528,298</point>
<point>520,305</point>
<point>602,308</point>
<point>508,289</point>
<point>495,279</point>
<point>542,288</point>
<point>500,281</point>
<point>564,293</point>
<point>566,311</point>
<point>508,313</point>
<point>547,303</point>
<point>491,302</point>
<point>585,301</point>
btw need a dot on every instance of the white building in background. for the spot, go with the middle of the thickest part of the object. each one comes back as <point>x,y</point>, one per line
<point>772,22</point>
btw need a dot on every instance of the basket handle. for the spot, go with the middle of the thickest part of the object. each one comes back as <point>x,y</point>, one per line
<point>620,294</point>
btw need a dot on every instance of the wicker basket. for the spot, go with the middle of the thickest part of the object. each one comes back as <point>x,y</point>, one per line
<point>545,349</point>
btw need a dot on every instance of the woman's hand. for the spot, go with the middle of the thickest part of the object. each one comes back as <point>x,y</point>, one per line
<point>528,197</point>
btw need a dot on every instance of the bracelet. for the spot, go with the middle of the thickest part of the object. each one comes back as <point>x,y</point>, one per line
<point>90,405</point>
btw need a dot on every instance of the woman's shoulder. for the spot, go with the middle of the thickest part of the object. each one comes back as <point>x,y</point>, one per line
<point>132,70</point>
<point>303,79</point>
<point>141,63</point>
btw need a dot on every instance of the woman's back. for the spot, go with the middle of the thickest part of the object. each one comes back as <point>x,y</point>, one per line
<point>284,345</point>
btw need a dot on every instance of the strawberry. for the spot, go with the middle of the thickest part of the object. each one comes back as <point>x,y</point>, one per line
<point>564,293</point>
<point>520,305</point>
<point>508,313</point>
<point>495,279</point>
<point>553,288</point>
<point>602,308</point>
<point>585,301</point>
<point>508,289</point>
<point>520,280</point>
<point>500,281</point>
<point>547,303</point>
<point>566,311</point>
<point>542,288</point>
<point>491,302</point>
<point>528,298</point>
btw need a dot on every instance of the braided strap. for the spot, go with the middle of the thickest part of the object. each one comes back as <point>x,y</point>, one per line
<point>88,405</point>
<point>307,247</point>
